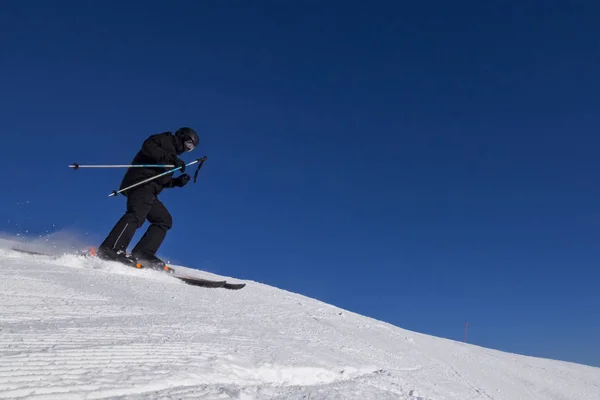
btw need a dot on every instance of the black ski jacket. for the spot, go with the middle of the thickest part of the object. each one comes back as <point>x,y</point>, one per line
<point>162,148</point>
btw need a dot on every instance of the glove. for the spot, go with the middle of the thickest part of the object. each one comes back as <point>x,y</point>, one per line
<point>181,180</point>
<point>180,163</point>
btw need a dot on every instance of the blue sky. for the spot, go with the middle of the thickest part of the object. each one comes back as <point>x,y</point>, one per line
<point>424,164</point>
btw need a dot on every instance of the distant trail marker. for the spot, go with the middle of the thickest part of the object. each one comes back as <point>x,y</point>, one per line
<point>466,329</point>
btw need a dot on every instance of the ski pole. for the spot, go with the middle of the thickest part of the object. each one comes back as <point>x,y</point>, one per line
<point>76,166</point>
<point>199,161</point>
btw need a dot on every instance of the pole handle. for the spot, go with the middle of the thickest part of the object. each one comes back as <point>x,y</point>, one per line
<point>201,162</point>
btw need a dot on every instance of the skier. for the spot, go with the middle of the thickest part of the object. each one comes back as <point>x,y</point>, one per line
<point>143,203</point>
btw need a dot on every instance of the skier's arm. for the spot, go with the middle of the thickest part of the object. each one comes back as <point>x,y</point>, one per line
<point>153,150</point>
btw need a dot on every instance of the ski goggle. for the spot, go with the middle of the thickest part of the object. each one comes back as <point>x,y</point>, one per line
<point>189,145</point>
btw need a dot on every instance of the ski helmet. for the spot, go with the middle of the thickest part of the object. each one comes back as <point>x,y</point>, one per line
<point>189,138</point>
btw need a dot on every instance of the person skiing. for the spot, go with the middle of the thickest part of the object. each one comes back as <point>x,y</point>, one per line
<point>143,203</point>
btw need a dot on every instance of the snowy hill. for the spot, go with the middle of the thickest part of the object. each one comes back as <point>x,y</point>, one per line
<point>76,328</point>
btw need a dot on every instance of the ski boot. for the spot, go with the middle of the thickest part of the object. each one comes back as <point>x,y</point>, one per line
<point>120,256</point>
<point>151,262</point>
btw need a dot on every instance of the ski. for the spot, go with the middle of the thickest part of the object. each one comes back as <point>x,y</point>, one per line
<point>208,283</point>
<point>234,286</point>
<point>195,281</point>
<point>37,253</point>
<point>32,253</point>
<point>201,282</point>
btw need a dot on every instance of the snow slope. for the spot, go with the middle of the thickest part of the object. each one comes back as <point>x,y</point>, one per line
<point>75,328</point>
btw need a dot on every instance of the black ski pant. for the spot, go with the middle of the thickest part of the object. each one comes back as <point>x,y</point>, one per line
<point>142,205</point>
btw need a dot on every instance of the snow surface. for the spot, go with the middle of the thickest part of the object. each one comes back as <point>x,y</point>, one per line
<point>77,328</point>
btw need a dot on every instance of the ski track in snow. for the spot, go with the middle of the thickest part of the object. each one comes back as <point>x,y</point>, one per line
<point>76,328</point>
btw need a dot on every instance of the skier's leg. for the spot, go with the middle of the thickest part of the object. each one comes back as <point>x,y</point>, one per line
<point>139,204</point>
<point>160,222</point>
